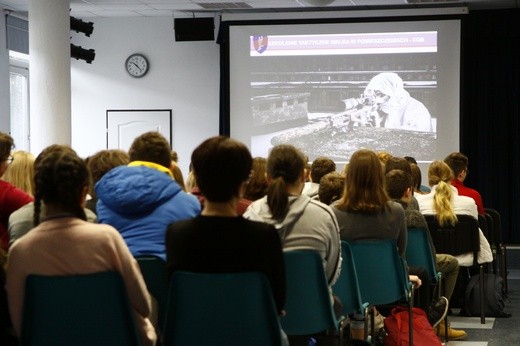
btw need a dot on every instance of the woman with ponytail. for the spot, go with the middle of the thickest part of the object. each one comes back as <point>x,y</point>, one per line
<point>445,203</point>
<point>64,243</point>
<point>302,223</point>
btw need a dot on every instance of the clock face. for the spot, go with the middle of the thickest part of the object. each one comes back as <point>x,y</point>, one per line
<point>136,65</point>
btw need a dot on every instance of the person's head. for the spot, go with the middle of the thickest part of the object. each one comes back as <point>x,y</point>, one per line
<point>416,176</point>
<point>321,166</point>
<point>383,156</point>
<point>103,161</point>
<point>175,156</point>
<point>285,168</point>
<point>152,147</point>
<point>20,172</point>
<point>61,180</point>
<point>364,184</point>
<point>410,159</point>
<point>221,166</point>
<point>331,187</point>
<point>399,185</point>
<point>440,174</point>
<point>398,163</point>
<point>6,145</point>
<point>384,87</point>
<point>257,187</point>
<point>458,163</point>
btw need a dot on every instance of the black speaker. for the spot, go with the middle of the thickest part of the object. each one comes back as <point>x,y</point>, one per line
<point>194,29</point>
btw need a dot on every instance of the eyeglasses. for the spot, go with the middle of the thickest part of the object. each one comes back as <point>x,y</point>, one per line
<point>9,159</point>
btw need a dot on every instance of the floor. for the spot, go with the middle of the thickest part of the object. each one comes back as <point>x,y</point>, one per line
<point>496,331</point>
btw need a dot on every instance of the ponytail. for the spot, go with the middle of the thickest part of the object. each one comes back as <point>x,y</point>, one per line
<point>278,198</point>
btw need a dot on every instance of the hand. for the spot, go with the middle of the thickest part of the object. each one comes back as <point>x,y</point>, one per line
<point>415,280</point>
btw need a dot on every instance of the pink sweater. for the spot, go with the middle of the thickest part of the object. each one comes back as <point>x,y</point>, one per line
<point>69,246</point>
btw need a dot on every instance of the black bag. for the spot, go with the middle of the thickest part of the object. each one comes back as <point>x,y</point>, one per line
<point>494,294</point>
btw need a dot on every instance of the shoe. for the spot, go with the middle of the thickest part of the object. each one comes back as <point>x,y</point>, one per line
<point>453,334</point>
<point>437,311</point>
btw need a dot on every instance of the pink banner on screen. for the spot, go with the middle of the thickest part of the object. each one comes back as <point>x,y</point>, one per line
<point>340,44</point>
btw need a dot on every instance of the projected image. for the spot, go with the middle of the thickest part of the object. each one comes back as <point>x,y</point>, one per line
<point>330,94</point>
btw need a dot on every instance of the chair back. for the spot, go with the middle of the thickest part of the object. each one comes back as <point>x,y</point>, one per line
<point>80,310</point>
<point>308,306</point>
<point>455,240</point>
<point>419,252</point>
<point>346,287</point>
<point>221,309</point>
<point>153,269</point>
<point>497,225</point>
<point>381,271</point>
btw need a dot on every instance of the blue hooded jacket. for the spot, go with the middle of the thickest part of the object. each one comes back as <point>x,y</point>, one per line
<point>140,202</point>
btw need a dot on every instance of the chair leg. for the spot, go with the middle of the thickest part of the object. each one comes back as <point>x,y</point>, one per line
<point>503,269</point>
<point>410,317</point>
<point>482,309</point>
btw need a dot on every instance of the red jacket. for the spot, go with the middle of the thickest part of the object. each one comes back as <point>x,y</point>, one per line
<point>466,191</point>
<point>11,199</point>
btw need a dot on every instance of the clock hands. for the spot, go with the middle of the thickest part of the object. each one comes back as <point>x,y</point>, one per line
<point>133,63</point>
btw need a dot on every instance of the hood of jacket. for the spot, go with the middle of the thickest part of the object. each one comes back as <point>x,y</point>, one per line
<point>259,211</point>
<point>135,189</point>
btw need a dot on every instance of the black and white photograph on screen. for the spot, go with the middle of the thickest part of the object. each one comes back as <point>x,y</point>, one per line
<point>331,89</point>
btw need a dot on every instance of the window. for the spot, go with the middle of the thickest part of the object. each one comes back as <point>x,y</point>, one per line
<point>19,94</point>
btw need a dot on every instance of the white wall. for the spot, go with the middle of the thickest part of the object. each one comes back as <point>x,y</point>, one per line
<point>183,76</point>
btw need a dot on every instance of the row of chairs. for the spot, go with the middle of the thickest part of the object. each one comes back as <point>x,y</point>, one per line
<point>217,309</point>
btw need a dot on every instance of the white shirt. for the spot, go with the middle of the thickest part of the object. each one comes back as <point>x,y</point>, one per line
<point>461,205</point>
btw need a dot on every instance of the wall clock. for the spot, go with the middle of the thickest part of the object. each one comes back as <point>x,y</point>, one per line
<point>137,65</point>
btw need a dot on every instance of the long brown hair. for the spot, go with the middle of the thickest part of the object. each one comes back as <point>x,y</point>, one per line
<point>285,165</point>
<point>364,190</point>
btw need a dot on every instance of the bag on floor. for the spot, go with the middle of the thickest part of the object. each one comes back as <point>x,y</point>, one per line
<point>397,328</point>
<point>494,293</point>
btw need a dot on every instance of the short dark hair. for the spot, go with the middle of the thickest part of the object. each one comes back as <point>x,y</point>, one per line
<point>398,163</point>
<point>397,182</point>
<point>152,147</point>
<point>6,145</point>
<point>103,161</point>
<point>220,165</point>
<point>457,162</point>
<point>331,187</point>
<point>321,166</point>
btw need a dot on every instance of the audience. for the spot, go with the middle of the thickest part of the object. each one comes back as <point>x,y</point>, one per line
<point>403,165</point>
<point>319,167</point>
<point>445,203</point>
<point>219,240</point>
<point>20,172</point>
<point>257,186</point>
<point>399,188</point>
<point>22,220</point>
<point>61,181</point>
<point>331,187</point>
<point>99,164</point>
<point>141,199</point>
<point>11,197</point>
<point>301,222</point>
<point>416,172</point>
<point>458,163</point>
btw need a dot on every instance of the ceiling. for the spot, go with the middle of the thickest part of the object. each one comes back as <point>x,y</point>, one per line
<point>180,8</point>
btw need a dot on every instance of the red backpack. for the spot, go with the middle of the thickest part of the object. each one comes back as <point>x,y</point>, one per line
<point>396,326</point>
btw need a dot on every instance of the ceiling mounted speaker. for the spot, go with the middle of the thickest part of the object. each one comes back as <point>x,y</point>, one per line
<point>319,2</point>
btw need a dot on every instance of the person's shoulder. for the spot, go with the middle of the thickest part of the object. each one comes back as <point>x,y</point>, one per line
<point>319,207</point>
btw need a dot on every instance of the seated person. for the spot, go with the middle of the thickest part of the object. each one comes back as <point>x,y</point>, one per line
<point>399,188</point>
<point>64,243</point>
<point>301,222</point>
<point>219,240</point>
<point>319,167</point>
<point>331,187</point>
<point>445,203</point>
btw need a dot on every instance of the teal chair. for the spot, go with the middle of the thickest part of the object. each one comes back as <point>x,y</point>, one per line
<point>153,269</point>
<point>79,310</point>
<point>308,308</point>
<point>231,309</point>
<point>382,274</point>
<point>346,287</point>
<point>419,254</point>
